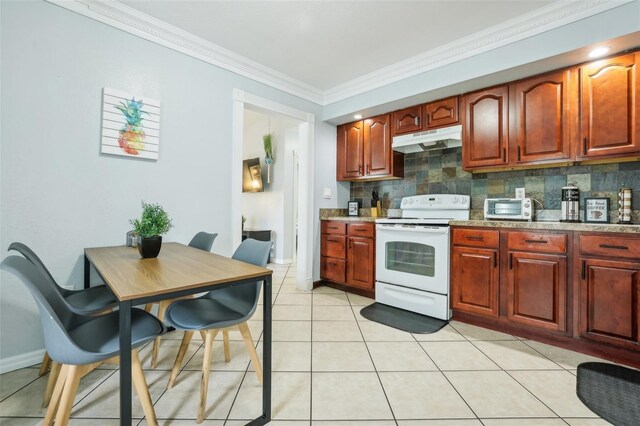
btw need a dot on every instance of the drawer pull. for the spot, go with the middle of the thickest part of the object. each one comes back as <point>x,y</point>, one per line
<point>360,230</point>
<point>609,246</point>
<point>536,241</point>
<point>332,227</point>
<point>333,240</point>
<point>473,237</point>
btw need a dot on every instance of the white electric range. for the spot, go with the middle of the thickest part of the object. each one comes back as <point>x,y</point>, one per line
<point>412,253</point>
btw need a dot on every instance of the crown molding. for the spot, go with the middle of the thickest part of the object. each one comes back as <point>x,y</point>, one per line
<point>557,14</point>
<point>118,15</point>
<point>544,19</point>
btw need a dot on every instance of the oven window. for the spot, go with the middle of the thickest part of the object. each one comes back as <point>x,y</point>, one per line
<point>506,208</point>
<point>412,258</point>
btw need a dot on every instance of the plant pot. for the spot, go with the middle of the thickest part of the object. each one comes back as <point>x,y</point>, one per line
<point>149,247</point>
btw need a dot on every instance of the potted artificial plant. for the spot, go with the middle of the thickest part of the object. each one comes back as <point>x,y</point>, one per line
<point>149,228</point>
<point>268,154</point>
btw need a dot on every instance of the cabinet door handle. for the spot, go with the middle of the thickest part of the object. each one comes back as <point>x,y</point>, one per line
<point>473,237</point>
<point>416,120</point>
<point>584,270</point>
<point>360,170</point>
<point>495,259</point>
<point>368,169</point>
<point>518,152</point>
<point>510,260</point>
<point>584,146</point>
<point>536,241</point>
<point>609,246</point>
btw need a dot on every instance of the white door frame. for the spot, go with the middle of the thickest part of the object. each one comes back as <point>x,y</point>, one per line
<point>306,130</point>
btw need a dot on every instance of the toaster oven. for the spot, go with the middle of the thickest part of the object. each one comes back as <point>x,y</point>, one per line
<point>508,208</point>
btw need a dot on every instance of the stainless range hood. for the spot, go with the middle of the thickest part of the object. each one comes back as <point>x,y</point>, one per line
<point>447,137</point>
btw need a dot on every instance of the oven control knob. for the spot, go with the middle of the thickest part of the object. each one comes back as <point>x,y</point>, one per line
<point>526,213</point>
<point>526,204</point>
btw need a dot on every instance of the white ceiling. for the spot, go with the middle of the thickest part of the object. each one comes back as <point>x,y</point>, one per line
<point>330,43</point>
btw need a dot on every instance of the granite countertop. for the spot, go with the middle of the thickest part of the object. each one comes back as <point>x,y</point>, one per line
<point>352,218</point>
<point>558,226</point>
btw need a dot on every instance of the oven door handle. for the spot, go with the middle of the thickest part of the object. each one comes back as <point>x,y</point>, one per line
<point>414,228</point>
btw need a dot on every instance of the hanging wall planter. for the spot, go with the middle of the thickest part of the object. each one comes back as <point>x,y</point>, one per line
<point>268,154</point>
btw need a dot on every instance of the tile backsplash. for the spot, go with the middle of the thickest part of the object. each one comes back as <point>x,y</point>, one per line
<point>437,172</point>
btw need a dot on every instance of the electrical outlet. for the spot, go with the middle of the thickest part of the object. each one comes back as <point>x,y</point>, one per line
<point>327,193</point>
<point>520,193</point>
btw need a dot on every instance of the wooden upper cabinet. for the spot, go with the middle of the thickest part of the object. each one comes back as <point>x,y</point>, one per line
<point>377,146</point>
<point>407,120</point>
<point>350,151</point>
<point>542,123</point>
<point>364,151</point>
<point>486,129</point>
<point>609,116</point>
<point>441,113</point>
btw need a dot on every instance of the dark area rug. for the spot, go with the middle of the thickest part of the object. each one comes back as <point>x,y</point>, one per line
<point>401,319</point>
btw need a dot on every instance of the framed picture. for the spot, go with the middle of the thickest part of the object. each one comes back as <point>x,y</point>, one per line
<point>353,208</point>
<point>596,210</point>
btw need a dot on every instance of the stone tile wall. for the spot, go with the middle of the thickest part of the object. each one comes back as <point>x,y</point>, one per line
<point>437,172</point>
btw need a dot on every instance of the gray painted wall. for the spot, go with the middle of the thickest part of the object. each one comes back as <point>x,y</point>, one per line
<point>59,194</point>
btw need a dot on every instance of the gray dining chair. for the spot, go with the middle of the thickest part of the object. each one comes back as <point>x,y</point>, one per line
<point>88,301</point>
<point>203,241</point>
<point>220,310</point>
<point>81,343</point>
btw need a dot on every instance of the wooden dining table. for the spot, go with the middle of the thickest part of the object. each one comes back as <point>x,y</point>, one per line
<point>179,270</point>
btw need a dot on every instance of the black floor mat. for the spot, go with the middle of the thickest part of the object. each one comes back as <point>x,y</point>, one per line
<point>401,319</point>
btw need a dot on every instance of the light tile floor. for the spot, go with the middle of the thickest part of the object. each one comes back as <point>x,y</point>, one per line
<point>333,367</point>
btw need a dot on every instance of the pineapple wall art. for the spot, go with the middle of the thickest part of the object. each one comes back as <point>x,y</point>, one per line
<point>130,125</point>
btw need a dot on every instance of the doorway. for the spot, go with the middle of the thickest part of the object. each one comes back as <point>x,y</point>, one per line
<point>301,182</point>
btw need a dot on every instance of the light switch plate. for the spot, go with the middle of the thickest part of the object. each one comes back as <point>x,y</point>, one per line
<point>327,193</point>
<point>520,193</point>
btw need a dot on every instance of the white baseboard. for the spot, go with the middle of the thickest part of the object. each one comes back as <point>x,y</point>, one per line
<point>281,261</point>
<point>20,361</point>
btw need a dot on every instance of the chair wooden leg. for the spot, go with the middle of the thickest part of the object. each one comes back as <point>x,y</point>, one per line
<point>176,365</point>
<point>46,363</point>
<point>55,396</point>
<point>162,310</point>
<point>68,394</point>
<point>203,334</point>
<point>140,384</point>
<point>248,340</point>
<point>227,351</point>
<point>51,382</point>
<point>148,307</point>
<point>204,382</point>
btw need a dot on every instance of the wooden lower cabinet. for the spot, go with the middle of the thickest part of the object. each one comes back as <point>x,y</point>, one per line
<point>475,280</point>
<point>610,301</point>
<point>347,252</point>
<point>360,262</point>
<point>578,290</point>
<point>537,289</point>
